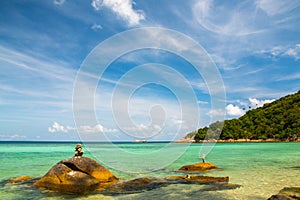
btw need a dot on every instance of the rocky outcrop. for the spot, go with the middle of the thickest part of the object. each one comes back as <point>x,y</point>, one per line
<point>198,167</point>
<point>82,175</point>
<point>198,179</point>
<point>287,193</point>
<point>135,185</point>
<point>76,175</point>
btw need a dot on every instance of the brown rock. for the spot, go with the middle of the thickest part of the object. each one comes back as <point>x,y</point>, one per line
<point>90,167</point>
<point>19,179</point>
<point>220,186</point>
<point>198,179</point>
<point>279,197</point>
<point>76,175</point>
<point>136,185</point>
<point>198,167</point>
<point>287,193</point>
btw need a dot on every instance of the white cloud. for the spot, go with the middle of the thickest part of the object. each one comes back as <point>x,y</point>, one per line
<point>143,131</point>
<point>143,127</point>
<point>56,127</point>
<point>293,52</point>
<point>97,4</point>
<point>233,110</point>
<point>242,107</point>
<point>59,2</point>
<point>122,8</point>
<point>91,129</point>
<point>288,51</point>
<point>96,27</point>
<point>15,136</point>
<point>255,103</point>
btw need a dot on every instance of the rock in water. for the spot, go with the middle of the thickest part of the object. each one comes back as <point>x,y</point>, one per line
<point>198,179</point>
<point>198,167</point>
<point>135,185</point>
<point>90,167</point>
<point>76,175</point>
<point>287,193</point>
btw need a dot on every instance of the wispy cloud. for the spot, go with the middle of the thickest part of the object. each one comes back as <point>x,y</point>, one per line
<point>123,9</point>
<point>294,76</point>
<point>47,69</point>
<point>13,137</point>
<point>26,92</point>
<point>221,20</point>
<point>275,52</point>
<point>276,7</point>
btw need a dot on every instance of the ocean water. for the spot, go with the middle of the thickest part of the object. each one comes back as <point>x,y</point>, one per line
<point>262,169</point>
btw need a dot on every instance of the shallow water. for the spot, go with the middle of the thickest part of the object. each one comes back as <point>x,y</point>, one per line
<point>262,169</point>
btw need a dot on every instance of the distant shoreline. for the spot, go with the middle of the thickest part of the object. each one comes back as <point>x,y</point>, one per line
<point>236,141</point>
<point>132,142</point>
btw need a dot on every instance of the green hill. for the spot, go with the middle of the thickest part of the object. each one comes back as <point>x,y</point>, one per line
<point>279,120</point>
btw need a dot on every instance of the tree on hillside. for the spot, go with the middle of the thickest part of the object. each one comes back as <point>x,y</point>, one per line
<point>277,120</point>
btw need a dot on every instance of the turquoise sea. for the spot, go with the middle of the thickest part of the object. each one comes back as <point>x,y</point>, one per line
<point>262,169</point>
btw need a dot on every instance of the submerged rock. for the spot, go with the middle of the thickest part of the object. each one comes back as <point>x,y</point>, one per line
<point>198,167</point>
<point>198,179</point>
<point>287,193</point>
<point>220,186</point>
<point>76,175</point>
<point>135,186</point>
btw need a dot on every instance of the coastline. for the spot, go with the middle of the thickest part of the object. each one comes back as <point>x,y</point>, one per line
<point>184,140</point>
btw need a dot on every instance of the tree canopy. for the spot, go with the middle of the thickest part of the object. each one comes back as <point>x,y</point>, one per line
<point>277,120</point>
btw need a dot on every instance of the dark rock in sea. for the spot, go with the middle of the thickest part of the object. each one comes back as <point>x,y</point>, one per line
<point>197,179</point>
<point>220,186</point>
<point>198,167</point>
<point>77,175</point>
<point>287,193</point>
<point>135,186</point>
<point>295,167</point>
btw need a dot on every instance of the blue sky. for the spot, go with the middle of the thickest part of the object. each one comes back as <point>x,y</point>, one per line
<point>255,46</point>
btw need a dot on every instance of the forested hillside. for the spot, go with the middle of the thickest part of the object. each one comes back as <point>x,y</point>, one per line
<point>277,120</point>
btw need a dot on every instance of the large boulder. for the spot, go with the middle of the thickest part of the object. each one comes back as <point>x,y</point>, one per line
<point>76,175</point>
<point>90,167</point>
<point>198,167</point>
